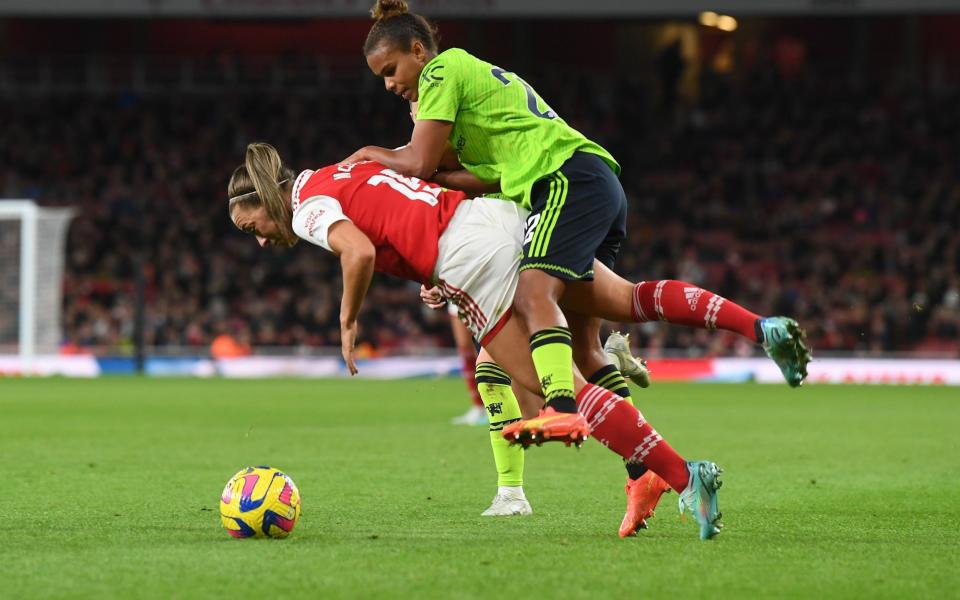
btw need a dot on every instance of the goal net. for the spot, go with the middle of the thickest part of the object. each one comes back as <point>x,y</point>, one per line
<point>32,241</point>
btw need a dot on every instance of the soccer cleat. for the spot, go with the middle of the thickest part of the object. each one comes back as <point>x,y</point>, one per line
<point>643,494</point>
<point>618,351</point>
<point>700,496</point>
<point>508,504</point>
<point>477,415</point>
<point>784,342</point>
<point>548,426</point>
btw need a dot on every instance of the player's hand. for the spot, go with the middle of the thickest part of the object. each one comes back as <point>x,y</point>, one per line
<point>432,297</point>
<point>358,156</point>
<point>348,339</point>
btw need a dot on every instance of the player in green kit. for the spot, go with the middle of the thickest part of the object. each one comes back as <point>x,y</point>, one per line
<point>503,133</point>
<point>496,134</point>
<point>644,487</point>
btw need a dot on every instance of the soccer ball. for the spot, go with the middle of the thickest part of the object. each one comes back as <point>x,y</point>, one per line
<point>260,502</point>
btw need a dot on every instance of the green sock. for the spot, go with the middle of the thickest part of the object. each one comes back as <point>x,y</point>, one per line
<point>493,383</point>
<point>552,351</point>
<point>609,377</point>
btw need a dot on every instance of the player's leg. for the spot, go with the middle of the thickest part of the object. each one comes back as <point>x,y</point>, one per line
<point>643,491</point>
<point>614,298</point>
<point>618,425</point>
<point>501,404</point>
<point>617,349</point>
<point>617,346</point>
<point>466,349</point>
<point>473,261</point>
<point>530,403</point>
<point>617,299</point>
<point>589,356</point>
<point>508,352</point>
<point>615,423</point>
<point>477,269</point>
<point>551,343</point>
<point>578,213</point>
<point>572,211</point>
<point>643,488</point>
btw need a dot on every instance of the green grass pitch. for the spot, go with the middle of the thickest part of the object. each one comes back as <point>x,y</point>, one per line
<point>110,488</point>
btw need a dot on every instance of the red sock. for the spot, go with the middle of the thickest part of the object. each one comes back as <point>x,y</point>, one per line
<point>619,426</point>
<point>686,304</point>
<point>469,376</point>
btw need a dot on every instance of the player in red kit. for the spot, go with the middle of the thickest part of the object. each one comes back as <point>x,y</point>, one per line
<point>361,228</point>
<point>374,218</point>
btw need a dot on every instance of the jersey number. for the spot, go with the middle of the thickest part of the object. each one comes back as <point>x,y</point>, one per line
<point>530,227</point>
<point>411,187</point>
<point>532,102</point>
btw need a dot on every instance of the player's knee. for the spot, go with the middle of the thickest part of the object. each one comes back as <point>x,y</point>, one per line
<point>537,293</point>
<point>530,308</point>
<point>523,306</point>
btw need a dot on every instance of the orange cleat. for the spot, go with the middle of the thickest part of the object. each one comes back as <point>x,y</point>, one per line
<point>642,497</point>
<point>548,426</point>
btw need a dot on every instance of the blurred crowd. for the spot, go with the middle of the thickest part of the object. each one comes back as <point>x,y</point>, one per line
<point>834,201</point>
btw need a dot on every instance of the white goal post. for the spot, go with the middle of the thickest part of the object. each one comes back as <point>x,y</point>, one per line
<point>32,250</point>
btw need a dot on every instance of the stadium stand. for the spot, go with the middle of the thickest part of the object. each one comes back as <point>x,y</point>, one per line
<point>812,193</point>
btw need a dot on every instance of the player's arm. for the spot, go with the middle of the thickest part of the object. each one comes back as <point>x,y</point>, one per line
<point>433,115</point>
<point>357,257</point>
<point>420,158</point>
<point>453,176</point>
<point>465,181</point>
<point>320,220</point>
<point>449,161</point>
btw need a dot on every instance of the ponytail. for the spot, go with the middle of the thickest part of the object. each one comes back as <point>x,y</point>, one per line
<point>262,180</point>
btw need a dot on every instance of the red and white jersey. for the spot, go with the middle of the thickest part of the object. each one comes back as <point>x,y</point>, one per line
<point>404,217</point>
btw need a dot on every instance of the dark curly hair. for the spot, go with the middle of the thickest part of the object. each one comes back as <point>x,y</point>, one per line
<point>397,26</point>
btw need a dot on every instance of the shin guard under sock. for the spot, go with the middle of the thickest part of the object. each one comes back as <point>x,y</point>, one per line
<point>687,304</point>
<point>620,427</point>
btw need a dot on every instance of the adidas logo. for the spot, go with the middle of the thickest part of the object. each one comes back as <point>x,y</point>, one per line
<point>693,296</point>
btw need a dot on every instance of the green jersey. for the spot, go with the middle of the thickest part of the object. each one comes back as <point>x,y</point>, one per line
<point>502,130</point>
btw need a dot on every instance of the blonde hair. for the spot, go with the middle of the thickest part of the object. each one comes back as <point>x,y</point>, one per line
<point>263,180</point>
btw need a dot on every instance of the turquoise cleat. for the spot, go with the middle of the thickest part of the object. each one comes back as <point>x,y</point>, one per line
<point>784,342</point>
<point>700,497</point>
